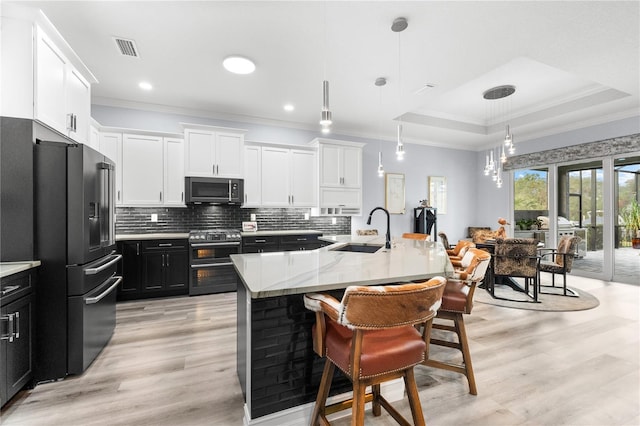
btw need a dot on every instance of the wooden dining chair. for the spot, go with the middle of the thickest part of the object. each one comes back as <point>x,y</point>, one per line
<point>371,337</point>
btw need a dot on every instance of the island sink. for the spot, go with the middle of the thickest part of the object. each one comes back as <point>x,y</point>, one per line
<point>360,248</point>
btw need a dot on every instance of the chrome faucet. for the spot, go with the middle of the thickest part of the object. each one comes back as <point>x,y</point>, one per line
<point>388,236</point>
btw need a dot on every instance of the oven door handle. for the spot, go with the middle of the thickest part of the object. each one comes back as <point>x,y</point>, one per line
<point>231,243</point>
<point>210,265</point>
<point>96,299</point>
<point>92,271</point>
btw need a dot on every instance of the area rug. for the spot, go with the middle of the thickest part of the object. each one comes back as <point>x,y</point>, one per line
<point>547,302</point>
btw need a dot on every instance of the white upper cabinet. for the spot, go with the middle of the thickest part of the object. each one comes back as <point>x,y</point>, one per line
<point>42,77</point>
<point>94,138</point>
<point>252,176</point>
<point>173,172</point>
<point>149,167</point>
<point>142,170</point>
<point>340,166</point>
<point>279,176</point>
<point>213,151</point>
<point>304,184</point>
<point>339,177</point>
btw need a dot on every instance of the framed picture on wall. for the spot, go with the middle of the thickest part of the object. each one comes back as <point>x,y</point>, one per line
<point>394,193</point>
<point>438,193</point>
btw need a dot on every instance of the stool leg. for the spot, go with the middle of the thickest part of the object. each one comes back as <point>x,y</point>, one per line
<point>323,392</point>
<point>357,410</point>
<point>466,354</point>
<point>414,398</point>
<point>375,404</point>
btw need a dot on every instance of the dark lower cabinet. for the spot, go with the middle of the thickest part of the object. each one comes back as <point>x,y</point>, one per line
<point>154,268</point>
<point>271,243</point>
<point>130,270</point>
<point>16,330</point>
<point>264,244</point>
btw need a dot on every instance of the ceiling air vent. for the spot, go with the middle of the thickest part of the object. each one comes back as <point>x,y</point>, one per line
<point>126,47</point>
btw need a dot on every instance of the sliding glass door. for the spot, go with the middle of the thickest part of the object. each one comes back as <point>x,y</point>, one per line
<point>581,212</point>
<point>626,266</point>
<point>592,200</point>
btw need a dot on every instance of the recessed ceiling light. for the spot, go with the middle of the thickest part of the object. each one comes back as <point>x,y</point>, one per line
<point>239,65</point>
<point>289,107</point>
<point>145,85</point>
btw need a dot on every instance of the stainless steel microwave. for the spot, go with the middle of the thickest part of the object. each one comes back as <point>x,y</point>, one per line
<point>209,190</point>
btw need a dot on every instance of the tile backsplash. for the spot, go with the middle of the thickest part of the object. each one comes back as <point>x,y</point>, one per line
<point>137,220</point>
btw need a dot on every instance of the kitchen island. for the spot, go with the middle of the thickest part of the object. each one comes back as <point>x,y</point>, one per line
<point>278,371</point>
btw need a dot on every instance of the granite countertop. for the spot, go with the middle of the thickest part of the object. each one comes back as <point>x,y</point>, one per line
<point>278,233</point>
<point>10,268</point>
<point>299,272</point>
<point>154,236</point>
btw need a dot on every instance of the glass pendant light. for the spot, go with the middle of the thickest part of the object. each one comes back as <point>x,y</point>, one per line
<point>400,145</point>
<point>380,168</point>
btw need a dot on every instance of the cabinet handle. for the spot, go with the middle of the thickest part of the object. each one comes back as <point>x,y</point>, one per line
<point>245,198</point>
<point>137,249</point>
<point>261,241</point>
<point>118,195</point>
<point>163,260</point>
<point>165,245</point>
<point>17,324</point>
<point>292,199</point>
<point>70,122</point>
<point>213,169</point>
<point>9,336</point>
<point>167,260</point>
<point>160,195</point>
<point>182,196</point>
<point>75,123</point>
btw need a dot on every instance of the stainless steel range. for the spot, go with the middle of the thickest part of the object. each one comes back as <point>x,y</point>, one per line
<point>211,270</point>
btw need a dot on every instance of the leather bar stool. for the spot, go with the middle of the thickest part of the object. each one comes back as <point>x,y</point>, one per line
<point>371,337</point>
<point>457,253</point>
<point>457,300</point>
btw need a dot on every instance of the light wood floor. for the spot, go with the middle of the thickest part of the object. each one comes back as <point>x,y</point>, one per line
<point>172,362</point>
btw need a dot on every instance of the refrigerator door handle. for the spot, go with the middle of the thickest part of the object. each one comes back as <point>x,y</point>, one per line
<point>96,299</point>
<point>114,259</point>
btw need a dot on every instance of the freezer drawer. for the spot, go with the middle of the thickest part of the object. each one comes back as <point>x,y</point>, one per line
<point>92,319</point>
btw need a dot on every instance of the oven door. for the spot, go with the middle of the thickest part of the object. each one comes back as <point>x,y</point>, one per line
<point>211,270</point>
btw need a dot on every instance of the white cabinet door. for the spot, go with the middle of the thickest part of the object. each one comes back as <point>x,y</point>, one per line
<point>340,198</point>
<point>351,167</point>
<point>78,103</point>
<point>303,182</point>
<point>199,153</point>
<point>51,73</point>
<point>210,153</point>
<point>142,170</point>
<point>252,176</point>
<point>228,154</point>
<point>62,94</point>
<point>111,147</point>
<point>174,172</point>
<point>330,165</point>
<point>275,177</point>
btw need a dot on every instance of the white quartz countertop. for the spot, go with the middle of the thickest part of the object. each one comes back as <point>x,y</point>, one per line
<point>277,233</point>
<point>153,236</point>
<point>299,272</point>
<point>10,268</point>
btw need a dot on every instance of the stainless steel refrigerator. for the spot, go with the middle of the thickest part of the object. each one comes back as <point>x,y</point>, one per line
<point>75,241</point>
